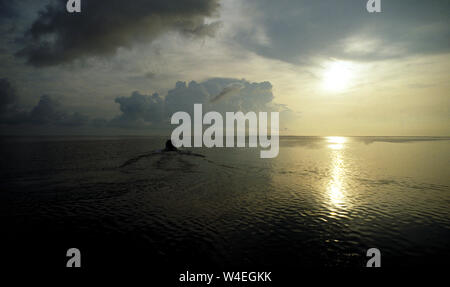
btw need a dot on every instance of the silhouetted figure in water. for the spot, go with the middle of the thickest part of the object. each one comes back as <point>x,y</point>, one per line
<point>170,146</point>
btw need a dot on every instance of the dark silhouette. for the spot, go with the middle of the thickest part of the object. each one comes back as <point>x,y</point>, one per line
<point>170,146</point>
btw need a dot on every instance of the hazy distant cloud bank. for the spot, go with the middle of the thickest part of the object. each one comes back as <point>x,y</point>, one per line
<point>140,111</point>
<point>58,37</point>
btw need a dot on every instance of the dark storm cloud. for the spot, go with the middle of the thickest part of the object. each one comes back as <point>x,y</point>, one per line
<point>296,30</point>
<point>7,9</point>
<point>8,96</point>
<point>10,113</point>
<point>103,26</point>
<point>48,110</point>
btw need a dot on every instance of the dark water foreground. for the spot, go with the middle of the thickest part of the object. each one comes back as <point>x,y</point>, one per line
<point>321,203</point>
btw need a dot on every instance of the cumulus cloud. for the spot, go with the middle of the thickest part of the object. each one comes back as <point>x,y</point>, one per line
<point>144,110</point>
<point>10,112</point>
<point>103,26</point>
<point>344,29</point>
<point>8,97</point>
<point>248,97</point>
<point>140,111</point>
<point>48,111</point>
<point>227,91</point>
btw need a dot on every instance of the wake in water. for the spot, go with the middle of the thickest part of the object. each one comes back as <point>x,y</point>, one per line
<point>170,148</point>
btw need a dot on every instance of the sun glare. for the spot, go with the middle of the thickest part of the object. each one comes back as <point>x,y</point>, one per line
<point>336,143</point>
<point>337,76</point>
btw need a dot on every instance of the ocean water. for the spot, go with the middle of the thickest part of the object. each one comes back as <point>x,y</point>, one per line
<point>321,203</point>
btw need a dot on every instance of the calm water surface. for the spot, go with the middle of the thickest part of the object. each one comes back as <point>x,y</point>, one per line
<point>322,202</point>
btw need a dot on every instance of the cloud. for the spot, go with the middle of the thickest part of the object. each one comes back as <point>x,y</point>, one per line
<point>344,29</point>
<point>139,110</point>
<point>103,26</point>
<point>248,97</point>
<point>10,113</point>
<point>48,111</point>
<point>8,96</point>
<point>153,112</point>
<point>227,91</point>
<point>7,10</point>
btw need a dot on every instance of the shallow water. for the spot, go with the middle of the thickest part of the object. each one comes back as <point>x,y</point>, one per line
<point>322,202</point>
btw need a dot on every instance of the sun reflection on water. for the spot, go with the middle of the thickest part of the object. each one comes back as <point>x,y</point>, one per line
<point>336,143</point>
<point>336,189</point>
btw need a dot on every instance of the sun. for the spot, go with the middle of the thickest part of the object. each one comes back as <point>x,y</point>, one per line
<point>337,76</point>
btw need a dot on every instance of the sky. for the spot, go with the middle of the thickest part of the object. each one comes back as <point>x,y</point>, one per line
<point>124,67</point>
